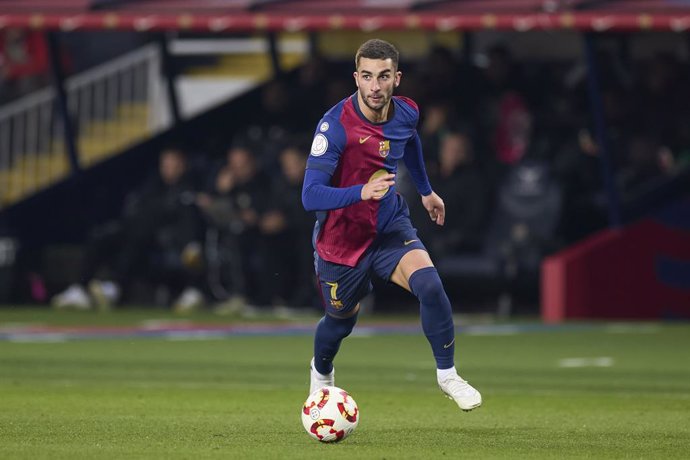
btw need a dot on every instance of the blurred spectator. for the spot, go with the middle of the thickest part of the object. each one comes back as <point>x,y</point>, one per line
<point>240,195</point>
<point>577,168</point>
<point>311,80</point>
<point>336,88</point>
<point>500,113</point>
<point>436,123</point>
<point>286,235</point>
<point>500,72</point>
<point>157,239</point>
<point>647,161</point>
<point>660,96</point>
<point>462,185</point>
<point>24,62</point>
<point>276,111</point>
<point>513,129</point>
<point>276,118</point>
<point>524,223</point>
<point>439,74</point>
<point>497,76</point>
<point>514,139</point>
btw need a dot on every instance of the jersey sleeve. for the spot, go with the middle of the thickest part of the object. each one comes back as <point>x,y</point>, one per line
<point>318,195</point>
<point>414,160</point>
<point>317,192</point>
<point>327,146</point>
<point>410,108</point>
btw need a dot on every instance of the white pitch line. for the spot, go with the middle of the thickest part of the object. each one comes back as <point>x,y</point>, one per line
<point>37,338</point>
<point>627,328</point>
<point>155,324</point>
<point>507,329</point>
<point>181,336</point>
<point>363,333</point>
<point>602,361</point>
<point>18,327</point>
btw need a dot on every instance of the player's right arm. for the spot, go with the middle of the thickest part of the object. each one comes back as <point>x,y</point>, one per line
<point>317,192</point>
<point>318,195</point>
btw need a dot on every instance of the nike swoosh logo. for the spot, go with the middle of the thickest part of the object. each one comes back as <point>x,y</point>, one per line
<point>451,343</point>
<point>410,242</point>
<point>362,140</point>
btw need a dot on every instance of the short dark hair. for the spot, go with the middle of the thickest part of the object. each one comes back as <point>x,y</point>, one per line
<point>377,49</point>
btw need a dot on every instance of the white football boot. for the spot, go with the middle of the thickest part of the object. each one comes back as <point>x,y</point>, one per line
<point>74,297</point>
<point>190,300</point>
<point>464,394</point>
<point>318,380</point>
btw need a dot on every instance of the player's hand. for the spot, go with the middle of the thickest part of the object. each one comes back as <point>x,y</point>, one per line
<point>377,188</point>
<point>435,207</point>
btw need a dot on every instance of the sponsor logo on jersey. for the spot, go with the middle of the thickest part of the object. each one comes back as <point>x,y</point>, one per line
<point>362,140</point>
<point>324,127</point>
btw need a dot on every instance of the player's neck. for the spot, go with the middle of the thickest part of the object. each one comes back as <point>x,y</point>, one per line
<point>374,116</point>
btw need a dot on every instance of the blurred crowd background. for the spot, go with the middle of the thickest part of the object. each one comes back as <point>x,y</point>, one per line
<point>510,141</point>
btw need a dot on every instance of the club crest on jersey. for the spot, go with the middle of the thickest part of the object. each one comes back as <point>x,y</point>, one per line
<point>384,148</point>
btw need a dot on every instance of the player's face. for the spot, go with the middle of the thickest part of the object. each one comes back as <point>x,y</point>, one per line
<point>376,80</point>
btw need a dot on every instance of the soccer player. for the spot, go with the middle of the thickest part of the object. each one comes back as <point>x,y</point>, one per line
<point>363,226</point>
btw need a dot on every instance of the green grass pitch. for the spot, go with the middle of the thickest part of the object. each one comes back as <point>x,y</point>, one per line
<point>240,397</point>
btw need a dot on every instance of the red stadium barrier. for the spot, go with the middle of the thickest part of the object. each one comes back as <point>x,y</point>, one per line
<point>619,274</point>
<point>244,22</point>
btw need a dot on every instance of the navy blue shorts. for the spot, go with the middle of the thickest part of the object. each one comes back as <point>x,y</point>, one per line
<point>342,287</point>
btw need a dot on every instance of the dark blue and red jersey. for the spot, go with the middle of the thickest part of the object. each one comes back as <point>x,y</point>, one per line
<point>348,151</point>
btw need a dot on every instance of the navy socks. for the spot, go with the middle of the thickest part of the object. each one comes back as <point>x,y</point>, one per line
<point>436,314</point>
<point>330,332</point>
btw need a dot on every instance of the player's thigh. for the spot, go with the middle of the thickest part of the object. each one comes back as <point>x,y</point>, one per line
<point>342,287</point>
<point>400,254</point>
<point>409,263</point>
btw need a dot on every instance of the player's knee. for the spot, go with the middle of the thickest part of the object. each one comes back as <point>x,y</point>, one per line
<point>427,286</point>
<point>340,326</point>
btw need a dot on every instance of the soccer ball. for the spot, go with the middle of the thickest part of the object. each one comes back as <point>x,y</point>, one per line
<point>330,414</point>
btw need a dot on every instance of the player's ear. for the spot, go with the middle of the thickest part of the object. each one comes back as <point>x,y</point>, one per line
<point>354,74</point>
<point>398,76</point>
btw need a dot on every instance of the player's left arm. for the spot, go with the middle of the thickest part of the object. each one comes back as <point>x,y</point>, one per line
<point>414,160</point>
<point>435,207</point>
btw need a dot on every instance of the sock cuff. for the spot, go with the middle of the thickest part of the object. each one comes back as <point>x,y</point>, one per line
<point>442,374</point>
<point>421,278</point>
<point>422,271</point>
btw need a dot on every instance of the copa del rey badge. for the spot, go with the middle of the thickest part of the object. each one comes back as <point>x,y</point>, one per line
<point>384,148</point>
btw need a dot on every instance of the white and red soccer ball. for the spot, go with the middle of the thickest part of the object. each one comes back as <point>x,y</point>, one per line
<point>330,414</point>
